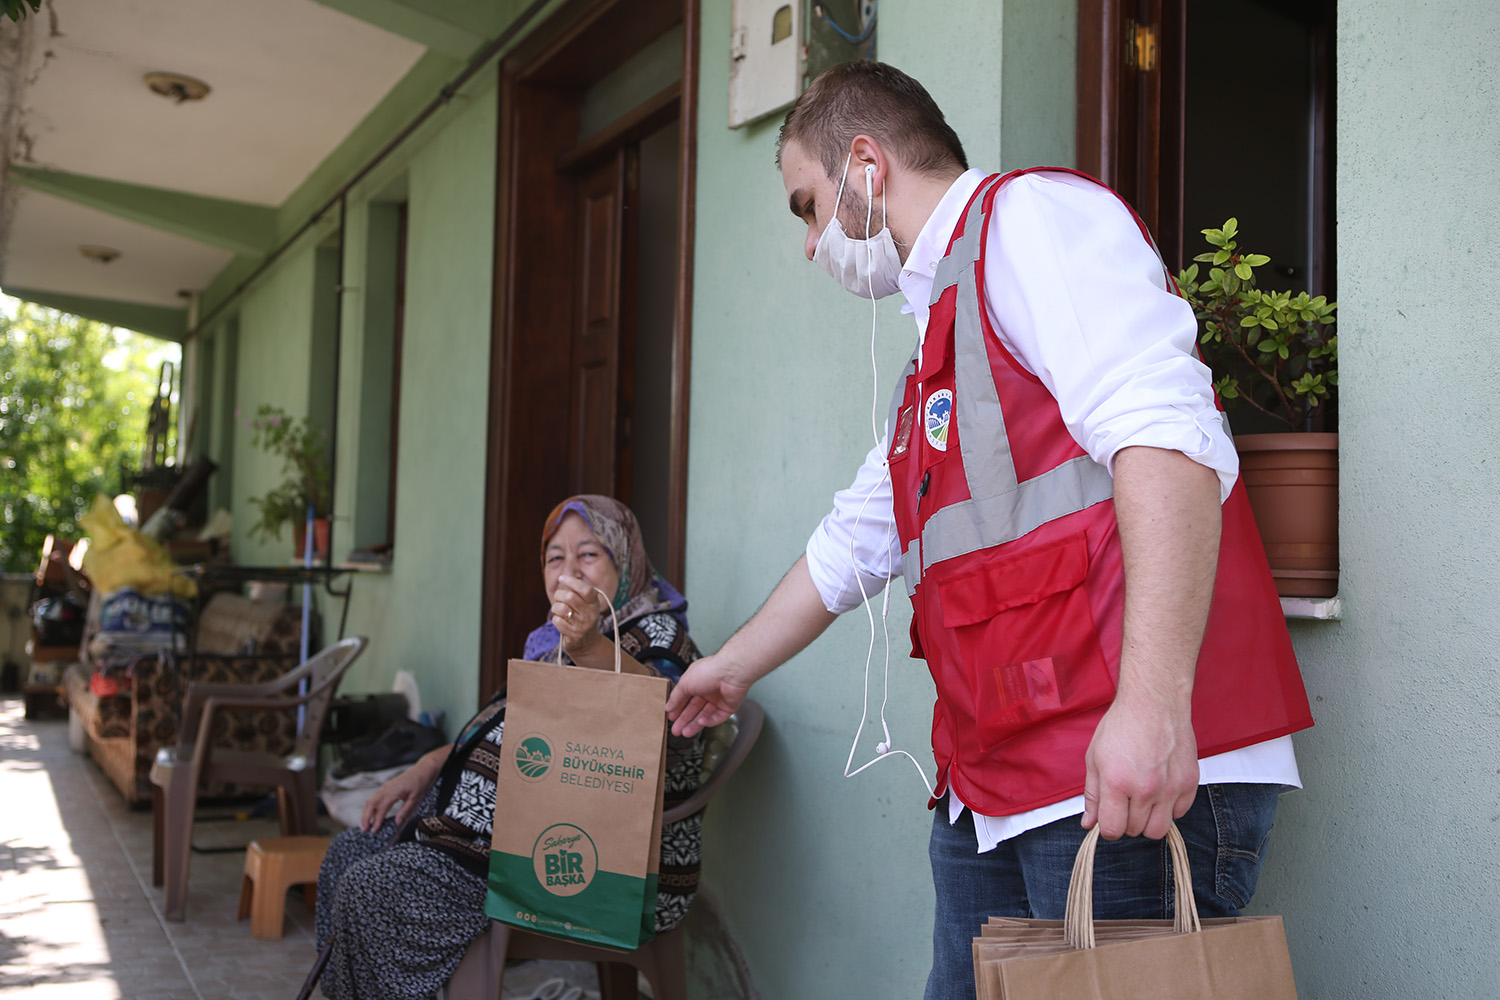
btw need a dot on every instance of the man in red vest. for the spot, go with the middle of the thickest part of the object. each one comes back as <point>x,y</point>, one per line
<point>1059,493</point>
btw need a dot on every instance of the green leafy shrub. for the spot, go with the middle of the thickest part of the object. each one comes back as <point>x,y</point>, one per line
<point>1273,351</point>
<point>303,448</point>
<point>16,9</point>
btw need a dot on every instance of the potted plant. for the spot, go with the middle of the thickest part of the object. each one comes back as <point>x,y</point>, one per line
<point>303,448</point>
<point>1274,356</point>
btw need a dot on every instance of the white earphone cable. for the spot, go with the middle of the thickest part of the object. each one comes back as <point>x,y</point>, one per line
<point>870,279</point>
<point>885,750</point>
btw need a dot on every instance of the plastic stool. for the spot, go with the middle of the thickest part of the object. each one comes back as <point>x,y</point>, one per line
<point>272,866</point>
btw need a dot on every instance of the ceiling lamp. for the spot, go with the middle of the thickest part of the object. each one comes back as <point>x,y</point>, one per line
<point>177,87</point>
<point>98,254</point>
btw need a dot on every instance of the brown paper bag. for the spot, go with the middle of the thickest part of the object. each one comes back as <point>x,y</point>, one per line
<point>576,846</point>
<point>1237,958</point>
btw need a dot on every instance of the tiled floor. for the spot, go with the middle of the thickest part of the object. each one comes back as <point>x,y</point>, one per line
<point>80,920</point>
<point>78,915</point>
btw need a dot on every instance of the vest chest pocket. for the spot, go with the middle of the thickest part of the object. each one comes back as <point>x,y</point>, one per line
<point>1026,637</point>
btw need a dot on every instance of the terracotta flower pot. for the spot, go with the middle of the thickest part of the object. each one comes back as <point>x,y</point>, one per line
<point>320,539</point>
<point>1293,483</point>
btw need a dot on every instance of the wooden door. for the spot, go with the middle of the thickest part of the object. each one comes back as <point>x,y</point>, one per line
<point>1131,98</point>
<point>562,351</point>
<point>599,418</point>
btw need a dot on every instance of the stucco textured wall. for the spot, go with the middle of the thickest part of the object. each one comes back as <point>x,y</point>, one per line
<point>1384,866</point>
<point>424,614</point>
<point>275,345</point>
<point>425,611</point>
<point>823,882</point>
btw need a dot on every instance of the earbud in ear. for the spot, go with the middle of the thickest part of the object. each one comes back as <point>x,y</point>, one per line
<point>869,180</point>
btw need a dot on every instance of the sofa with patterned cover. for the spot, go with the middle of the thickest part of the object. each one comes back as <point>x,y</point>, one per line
<point>239,642</point>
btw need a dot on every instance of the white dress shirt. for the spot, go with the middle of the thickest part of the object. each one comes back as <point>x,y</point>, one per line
<point>1081,300</point>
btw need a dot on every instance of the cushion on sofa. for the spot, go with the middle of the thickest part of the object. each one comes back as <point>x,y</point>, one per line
<point>233,625</point>
<point>125,731</point>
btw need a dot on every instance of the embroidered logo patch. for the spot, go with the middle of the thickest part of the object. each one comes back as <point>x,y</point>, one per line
<point>937,415</point>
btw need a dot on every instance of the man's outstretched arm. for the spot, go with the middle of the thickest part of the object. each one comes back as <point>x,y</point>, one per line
<point>713,687</point>
<point>1142,765</point>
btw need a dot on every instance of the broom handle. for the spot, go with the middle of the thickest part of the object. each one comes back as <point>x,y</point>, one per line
<point>1078,921</point>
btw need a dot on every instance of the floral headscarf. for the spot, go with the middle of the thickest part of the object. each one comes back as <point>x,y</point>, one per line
<point>642,591</point>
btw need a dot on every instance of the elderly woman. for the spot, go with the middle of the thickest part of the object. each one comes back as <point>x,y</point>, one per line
<point>401,910</point>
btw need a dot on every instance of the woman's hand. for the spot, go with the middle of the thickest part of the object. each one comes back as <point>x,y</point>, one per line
<point>408,787</point>
<point>575,613</point>
<point>581,638</point>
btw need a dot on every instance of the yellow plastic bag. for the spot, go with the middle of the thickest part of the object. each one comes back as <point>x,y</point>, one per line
<point>119,556</point>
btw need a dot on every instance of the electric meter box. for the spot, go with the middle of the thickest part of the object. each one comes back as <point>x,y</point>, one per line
<point>777,48</point>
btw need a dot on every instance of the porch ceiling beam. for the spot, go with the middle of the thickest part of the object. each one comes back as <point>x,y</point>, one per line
<point>237,226</point>
<point>450,28</point>
<point>158,321</point>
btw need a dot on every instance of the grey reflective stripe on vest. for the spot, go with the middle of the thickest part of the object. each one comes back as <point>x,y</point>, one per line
<point>1001,508</point>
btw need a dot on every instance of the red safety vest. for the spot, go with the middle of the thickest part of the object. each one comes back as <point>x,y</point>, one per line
<point>1012,560</point>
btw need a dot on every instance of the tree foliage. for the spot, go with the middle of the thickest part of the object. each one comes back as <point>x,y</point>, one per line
<point>74,397</point>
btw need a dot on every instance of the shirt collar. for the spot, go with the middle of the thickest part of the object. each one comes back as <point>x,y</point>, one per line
<point>932,243</point>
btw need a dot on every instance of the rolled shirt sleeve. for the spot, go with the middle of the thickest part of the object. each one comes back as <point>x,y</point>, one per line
<point>1081,300</point>
<point>856,543</point>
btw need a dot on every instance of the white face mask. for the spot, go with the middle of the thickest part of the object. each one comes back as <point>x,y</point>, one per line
<point>871,267</point>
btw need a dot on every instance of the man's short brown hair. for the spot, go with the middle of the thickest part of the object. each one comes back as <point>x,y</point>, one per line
<point>877,100</point>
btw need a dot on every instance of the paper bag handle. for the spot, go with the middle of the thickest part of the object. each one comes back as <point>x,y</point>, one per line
<point>1078,921</point>
<point>614,620</point>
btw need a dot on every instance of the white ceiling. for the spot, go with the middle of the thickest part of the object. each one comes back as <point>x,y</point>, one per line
<point>290,79</point>
<point>153,266</point>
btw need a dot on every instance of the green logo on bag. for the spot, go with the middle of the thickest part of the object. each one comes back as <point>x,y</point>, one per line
<point>565,859</point>
<point>533,756</point>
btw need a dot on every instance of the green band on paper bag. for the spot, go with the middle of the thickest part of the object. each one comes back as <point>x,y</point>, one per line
<point>611,909</point>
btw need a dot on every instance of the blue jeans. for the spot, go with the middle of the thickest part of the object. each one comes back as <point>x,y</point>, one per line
<point>1225,831</point>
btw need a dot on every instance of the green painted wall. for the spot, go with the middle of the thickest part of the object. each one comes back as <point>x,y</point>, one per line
<point>424,613</point>
<point>643,76</point>
<point>323,349</point>
<point>376,366</point>
<point>218,424</point>
<point>405,101</point>
<point>1038,79</point>
<point>1384,866</point>
<point>365,321</point>
<point>824,882</point>
<point>274,365</point>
